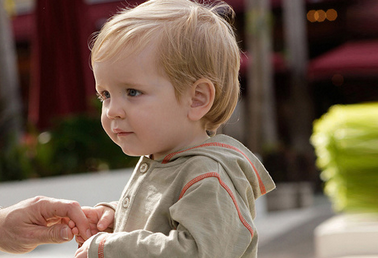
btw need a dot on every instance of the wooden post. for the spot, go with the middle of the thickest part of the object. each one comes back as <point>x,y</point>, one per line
<point>260,104</point>
<point>10,101</point>
<point>294,12</point>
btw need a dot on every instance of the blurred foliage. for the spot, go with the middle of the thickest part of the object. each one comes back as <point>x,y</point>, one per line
<point>346,145</point>
<point>76,144</point>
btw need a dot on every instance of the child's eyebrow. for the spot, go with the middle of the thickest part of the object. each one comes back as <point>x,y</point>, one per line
<point>132,84</point>
<point>124,84</point>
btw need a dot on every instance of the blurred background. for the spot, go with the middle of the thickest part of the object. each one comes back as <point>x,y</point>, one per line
<point>300,58</point>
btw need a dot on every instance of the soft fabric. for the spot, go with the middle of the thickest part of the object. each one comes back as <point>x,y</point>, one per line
<point>198,202</point>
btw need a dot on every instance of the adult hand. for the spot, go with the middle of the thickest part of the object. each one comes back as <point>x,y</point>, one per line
<point>40,220</point>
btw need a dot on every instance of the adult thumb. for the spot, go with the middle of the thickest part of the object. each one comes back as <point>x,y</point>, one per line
<point>57,233</point>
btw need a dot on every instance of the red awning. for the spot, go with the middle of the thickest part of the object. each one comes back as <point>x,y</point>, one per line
<point>353,59</point>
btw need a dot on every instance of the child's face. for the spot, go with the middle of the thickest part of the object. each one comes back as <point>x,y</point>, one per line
<point>140,111</point>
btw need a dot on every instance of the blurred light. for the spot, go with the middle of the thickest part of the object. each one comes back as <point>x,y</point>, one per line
<point>103,167</point>
<point>321,15</point>
<point>311,16</point>
<point>44,137</point>
<point>331,14</point>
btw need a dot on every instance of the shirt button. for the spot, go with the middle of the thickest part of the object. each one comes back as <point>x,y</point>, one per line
<point>143,168</point>
<point>126,202</point>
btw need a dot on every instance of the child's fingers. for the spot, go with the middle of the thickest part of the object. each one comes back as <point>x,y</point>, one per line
<point>93,230</point>
<point>79,240</point>
<point>87,210</point>
<point>92,214</point>
<point>106,220</point>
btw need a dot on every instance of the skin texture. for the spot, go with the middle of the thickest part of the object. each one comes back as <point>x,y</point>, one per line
<point>100,218</point>
<point>140,110</point>
<point>40,220</point>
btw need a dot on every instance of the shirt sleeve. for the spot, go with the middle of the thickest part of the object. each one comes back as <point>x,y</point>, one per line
<point>209,221</point>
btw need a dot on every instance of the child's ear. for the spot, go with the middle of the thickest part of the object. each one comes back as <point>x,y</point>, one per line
<point>202,99</point>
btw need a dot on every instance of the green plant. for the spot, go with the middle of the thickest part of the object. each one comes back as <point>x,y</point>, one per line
<point>346,145</point>
<point>76,144</point>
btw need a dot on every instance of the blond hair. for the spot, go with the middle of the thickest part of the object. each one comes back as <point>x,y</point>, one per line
<point>194,41</point>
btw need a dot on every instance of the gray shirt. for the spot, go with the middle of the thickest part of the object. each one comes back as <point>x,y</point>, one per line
<point>198,202</point>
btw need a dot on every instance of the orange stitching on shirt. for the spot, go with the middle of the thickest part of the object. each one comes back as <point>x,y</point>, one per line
<point>261,184</point>
<point>216,175</point>
<point>101,247</point>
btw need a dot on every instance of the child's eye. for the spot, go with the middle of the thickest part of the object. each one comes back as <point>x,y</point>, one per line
<point>103,95</point>
<point>133,92</point>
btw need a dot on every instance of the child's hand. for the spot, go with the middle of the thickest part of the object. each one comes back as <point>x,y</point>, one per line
<point>100,218</point>
<point>82,252</point>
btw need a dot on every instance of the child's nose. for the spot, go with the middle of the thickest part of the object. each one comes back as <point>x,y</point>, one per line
<point>115,110</point>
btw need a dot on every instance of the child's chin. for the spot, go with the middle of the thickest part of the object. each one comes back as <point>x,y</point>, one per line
<point>131,153</point>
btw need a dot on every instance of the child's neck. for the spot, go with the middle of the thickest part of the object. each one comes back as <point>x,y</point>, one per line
<point>191,142</point>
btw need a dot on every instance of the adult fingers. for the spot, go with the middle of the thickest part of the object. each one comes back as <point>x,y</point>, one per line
<point>58,233</point>
<point>51,208</point>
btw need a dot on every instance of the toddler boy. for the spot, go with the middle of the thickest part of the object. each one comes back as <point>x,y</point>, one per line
<point>166,72</point>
